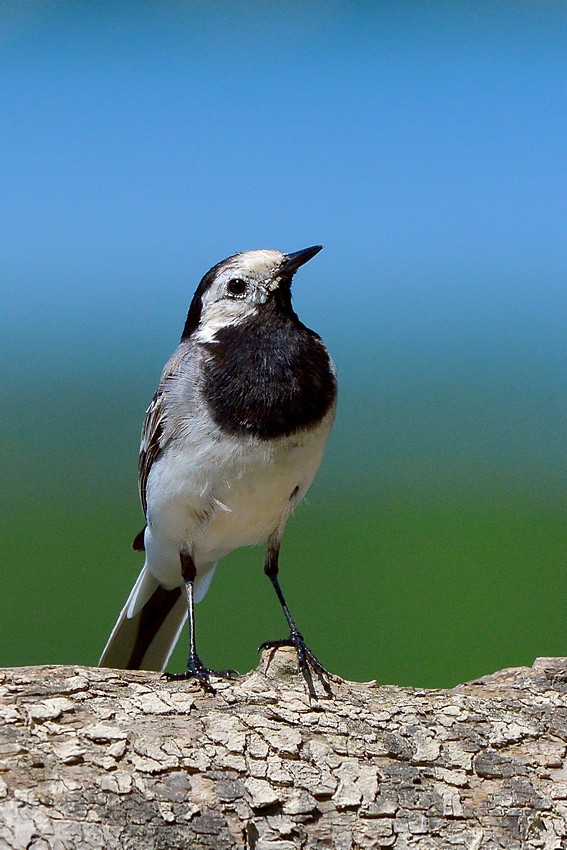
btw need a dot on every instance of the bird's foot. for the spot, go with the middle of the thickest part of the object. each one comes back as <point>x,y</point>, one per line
<point>197,670</point>
<point>305,659</point>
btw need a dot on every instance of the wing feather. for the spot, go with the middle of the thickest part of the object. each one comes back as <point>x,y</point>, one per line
<point>163,411</point>
<point>152,443</point>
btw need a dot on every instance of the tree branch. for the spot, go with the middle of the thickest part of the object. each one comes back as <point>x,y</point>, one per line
<point>95,758</point>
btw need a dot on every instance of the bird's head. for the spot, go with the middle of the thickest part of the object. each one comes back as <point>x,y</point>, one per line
<point>241,286</point>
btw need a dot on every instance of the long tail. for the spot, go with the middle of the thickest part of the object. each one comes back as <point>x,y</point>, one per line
<point>148,627</point>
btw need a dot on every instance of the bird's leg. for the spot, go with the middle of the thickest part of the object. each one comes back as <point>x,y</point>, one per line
<point>195,667</point>
<point>305,657</point>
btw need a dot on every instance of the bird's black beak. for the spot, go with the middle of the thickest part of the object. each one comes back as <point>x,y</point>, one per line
<point>291,262</point>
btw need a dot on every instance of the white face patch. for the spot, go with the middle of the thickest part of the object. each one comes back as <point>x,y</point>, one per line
<point>241,285</point>
<point>257,263</point>
<point>220,315</point>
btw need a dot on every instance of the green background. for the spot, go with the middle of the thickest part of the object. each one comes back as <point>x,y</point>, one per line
<point>422,570</point>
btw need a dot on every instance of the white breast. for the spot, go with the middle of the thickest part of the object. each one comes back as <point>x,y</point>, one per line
<point>214,493</point>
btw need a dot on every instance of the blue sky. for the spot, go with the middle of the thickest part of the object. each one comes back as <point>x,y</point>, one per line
<point>422,143</point>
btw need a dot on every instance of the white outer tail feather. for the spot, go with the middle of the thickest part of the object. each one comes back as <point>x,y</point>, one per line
<point>118,650</point>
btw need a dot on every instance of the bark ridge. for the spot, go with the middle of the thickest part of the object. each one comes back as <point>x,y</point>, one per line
<point>93,758</point>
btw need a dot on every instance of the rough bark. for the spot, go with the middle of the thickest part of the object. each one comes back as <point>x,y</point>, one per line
<point>96,758</point>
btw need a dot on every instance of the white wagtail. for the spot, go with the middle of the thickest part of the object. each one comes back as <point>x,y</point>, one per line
<point>231,442</point>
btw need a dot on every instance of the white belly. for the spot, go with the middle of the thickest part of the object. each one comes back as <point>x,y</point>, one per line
<point>212,496</point>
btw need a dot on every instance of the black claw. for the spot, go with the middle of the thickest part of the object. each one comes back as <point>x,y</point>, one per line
<point>305,658</point>
<point>197,670</point>
<point>202,677</point>
<point>225,674</point>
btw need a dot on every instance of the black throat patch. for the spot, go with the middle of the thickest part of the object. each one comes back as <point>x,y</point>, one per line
<point>268,376</point>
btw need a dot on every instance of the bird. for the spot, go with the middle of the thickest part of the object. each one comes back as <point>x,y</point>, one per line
<point>231,442</point>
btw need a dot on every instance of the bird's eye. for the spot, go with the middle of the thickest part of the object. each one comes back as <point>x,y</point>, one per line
<point>236,286</point>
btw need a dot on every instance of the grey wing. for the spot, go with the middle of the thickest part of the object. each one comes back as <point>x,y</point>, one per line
<point>171,404</point>
<point>151,444</point>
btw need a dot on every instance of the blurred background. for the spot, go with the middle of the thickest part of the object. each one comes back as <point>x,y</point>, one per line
<point>424,144</point>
